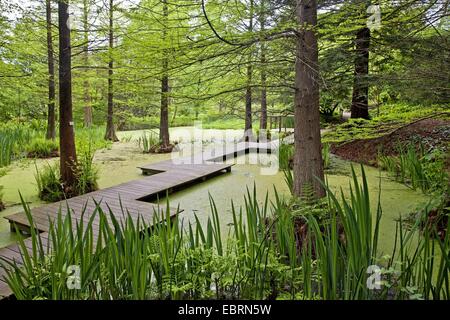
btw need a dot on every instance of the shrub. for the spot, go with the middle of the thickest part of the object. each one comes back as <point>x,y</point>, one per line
<point>42,148</point>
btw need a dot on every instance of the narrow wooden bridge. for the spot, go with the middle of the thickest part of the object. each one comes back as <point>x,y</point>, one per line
<point>133,197</point>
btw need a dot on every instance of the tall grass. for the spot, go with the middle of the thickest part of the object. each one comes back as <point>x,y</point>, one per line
<point>18,141</point>
<point>12,140</point>
<point>148,141</point>
<point>271,252</point>
<point>417,168</point>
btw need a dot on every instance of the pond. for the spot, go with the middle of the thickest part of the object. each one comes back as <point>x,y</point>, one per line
<point>123,158</point>
<point>396,199</point>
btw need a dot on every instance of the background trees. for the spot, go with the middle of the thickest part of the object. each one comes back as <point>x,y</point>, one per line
<point>160,63</point>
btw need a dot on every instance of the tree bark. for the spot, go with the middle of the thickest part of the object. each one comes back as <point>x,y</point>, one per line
<point>51,116</point>
<point>110,130</point>
<point>87,95</point>
<point>308,165</point>
<point>263,118</point>
<point>68,156</point>
<point>248,133</point>
<point>360,99</point>
<point>164,115</point>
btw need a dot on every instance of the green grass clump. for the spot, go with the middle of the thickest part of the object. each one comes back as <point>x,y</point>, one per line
<point>148,141</point>
<point>48,179</point>
<point>418,168</point>
<point>12,139</point>
<point>48,183</point>
<point>42,148</point>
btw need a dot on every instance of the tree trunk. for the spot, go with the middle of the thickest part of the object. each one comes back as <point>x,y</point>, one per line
<point>263,118</point>
<point>51,128</point>
<point>68,156</point>
<point>87,95</point>
<point>308,165</point>
<point>110,130</point>
<point>248,106</point>
<point>164,116</point>
<point>360,99</point>
<point>248,133</point>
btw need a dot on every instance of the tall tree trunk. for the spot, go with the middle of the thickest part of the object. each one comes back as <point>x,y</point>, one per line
<point>360,99</point>
<point>263,118</point>
<point>164,116</point>
<point>87,95</point>
<point>110,130</point>
<point>68,156</point>
<point>51,128</point>
<point>248,134</point>
<point>308,165</point>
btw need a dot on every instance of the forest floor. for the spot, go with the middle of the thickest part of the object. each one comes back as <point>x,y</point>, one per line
<point>430,132</point>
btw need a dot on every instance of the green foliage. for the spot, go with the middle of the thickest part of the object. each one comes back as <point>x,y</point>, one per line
<point>391,116</point>
<point>148,141</point>
<point>42,148</point>
<point>48,183</point>
<point>418,168</point>
<point>285,155</point>
<point>12,139</point>
<point>48,178</point>
<point>91,139</point>
<point>326,155</point>
<point>86,172</point>
<point>318,251</point>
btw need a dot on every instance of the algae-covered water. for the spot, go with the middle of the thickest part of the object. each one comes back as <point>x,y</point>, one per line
<point>119,164</point>
<point>396,199</point>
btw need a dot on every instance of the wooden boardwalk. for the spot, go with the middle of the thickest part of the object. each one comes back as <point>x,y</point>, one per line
<point>133,197</point>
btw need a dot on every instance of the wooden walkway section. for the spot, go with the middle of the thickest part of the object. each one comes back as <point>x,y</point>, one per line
<point>132,197</point>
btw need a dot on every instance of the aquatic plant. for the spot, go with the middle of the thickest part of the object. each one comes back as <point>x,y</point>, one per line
<point>48,178</point>
<point>148,141</point>
<point>417,168</point>
<point>48,182</point>
<point>12,139</point>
